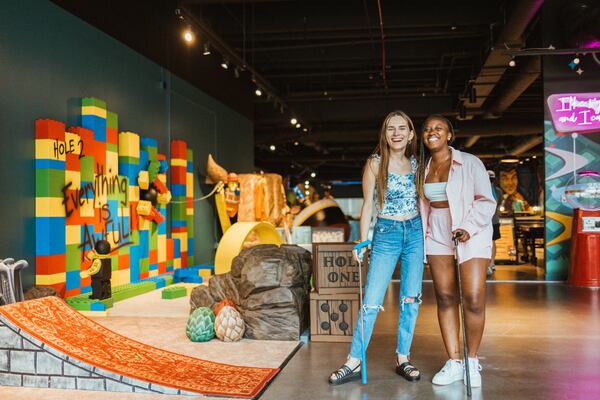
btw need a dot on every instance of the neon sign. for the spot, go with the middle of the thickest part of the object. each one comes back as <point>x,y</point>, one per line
<point>575,112</point>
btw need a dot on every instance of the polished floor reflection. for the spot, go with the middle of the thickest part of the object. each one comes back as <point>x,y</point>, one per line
<point>542,341</point>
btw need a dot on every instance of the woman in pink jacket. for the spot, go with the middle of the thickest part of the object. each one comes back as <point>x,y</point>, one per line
<point>455,197</point>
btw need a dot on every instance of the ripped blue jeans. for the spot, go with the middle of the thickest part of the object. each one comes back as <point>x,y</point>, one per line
<point>393,240</point>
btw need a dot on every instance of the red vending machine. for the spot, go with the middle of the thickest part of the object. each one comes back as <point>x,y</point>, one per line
<point>585,249</point>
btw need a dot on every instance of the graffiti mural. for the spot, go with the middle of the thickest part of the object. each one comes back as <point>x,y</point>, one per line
<point>93,183</point>
<point>572,144</point>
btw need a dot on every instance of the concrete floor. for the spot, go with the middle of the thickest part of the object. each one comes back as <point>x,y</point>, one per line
<point>542,341</point>
<point>506,273</point>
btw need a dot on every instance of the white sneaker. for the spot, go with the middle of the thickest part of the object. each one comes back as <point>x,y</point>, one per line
<point>474,373</point>
<point>451,372</point>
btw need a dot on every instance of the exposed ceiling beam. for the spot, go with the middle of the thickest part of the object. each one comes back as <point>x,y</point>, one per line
<point>466,129</point>
<point>497,60</point>
<point>529,71</point>
<point>357,160</point>
<point>471,141</point>
<point>527,145</point>
<point>346,43</point>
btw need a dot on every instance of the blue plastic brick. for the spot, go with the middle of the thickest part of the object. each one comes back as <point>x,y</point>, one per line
<point>134,263</point>
<point>178,189</point>
<point>148,142</point>
<point>96,124</point>
<point>53,230</point>
<point>178,223</point>
<point>190,166</point>
<point>190,251</point>
<point>131,171</point>
<point>164,166</point>
<point>176,248</point>
<point>162,228</point>
<point>97,306</point>
<point>50,164</point>
<point>73,280</point>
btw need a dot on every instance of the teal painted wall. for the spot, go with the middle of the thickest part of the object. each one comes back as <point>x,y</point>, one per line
<point>48,60</point>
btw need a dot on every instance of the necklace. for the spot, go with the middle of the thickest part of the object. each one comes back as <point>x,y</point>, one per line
<point>435,172</point>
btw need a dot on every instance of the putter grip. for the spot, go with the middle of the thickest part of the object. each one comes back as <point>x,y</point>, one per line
<point>359,246</point>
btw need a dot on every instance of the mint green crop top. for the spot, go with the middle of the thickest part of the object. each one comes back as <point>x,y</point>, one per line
<point>436,191</point>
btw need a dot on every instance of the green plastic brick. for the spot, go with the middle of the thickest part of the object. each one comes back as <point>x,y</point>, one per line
<point>112,120</point>
<point>130,290</point>
<point>144,263</point>
<point>73,257</point>
<point>49,182</point>
<point>129,160</point>
<point>92,101</point>
<point>112,147</point>
<point>173,292</point>
<point>82,302</point>
<point>86,166</point>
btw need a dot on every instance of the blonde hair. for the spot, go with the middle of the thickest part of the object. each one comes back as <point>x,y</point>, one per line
<point>383,150</point>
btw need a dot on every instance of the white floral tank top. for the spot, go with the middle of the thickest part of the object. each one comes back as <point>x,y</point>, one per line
<point>401,196</point>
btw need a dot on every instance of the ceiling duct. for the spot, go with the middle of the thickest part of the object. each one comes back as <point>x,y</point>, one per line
<point>497,60</point>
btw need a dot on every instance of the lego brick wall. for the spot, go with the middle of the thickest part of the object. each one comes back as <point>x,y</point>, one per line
<point>87,190</point>
<point>50,59</point>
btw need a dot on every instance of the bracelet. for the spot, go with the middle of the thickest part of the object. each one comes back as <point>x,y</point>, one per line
<point>360,245</point>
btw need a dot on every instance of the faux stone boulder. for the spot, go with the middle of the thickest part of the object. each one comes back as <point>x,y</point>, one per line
<point>223,287</point>
<point>201,297</point>
<point>270,286</point>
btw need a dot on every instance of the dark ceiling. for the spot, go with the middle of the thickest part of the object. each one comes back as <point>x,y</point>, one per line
<point>324,59</point>
<point>321,62</point>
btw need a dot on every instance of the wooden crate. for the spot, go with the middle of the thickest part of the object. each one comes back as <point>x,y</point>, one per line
<point>327,235</point>
<point>334,268</point>
<point>333,316</point>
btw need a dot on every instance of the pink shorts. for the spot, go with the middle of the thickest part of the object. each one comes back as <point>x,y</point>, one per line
<point>438,239</point>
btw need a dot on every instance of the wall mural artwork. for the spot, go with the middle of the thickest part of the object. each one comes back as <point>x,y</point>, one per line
<point>572,144</point>
<point>93,184</point>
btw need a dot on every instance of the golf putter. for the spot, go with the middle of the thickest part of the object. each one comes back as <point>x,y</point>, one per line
<point>363,348</point>
<point>462,313</point>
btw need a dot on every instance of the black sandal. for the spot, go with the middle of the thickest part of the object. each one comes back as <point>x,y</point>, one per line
<point>345,374</point>
<point>406,369</point>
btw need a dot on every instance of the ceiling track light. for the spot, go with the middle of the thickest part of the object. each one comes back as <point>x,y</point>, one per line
<point>462,111</point>
<point>293,121</point>
<point>509,159</point>
<point>179,14</point>
<point>512,63</point>
<point>206,50</point>
<point>188,35</point>
<point>258,92</point>
<point>298,125</point>
<point>225,64</point>
<point>472,94</point>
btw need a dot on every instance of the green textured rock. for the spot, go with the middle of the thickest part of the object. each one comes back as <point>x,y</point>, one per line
<point>201,325</point>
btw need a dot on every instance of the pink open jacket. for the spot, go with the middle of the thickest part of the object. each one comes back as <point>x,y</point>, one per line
<point>469,192</point>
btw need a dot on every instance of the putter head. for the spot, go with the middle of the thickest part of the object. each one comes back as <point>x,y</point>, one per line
<point>455,237</point>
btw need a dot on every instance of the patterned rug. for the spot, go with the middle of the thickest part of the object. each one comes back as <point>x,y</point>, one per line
<point>53,322</point>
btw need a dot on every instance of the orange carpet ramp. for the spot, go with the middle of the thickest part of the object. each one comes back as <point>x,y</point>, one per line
<point>45,343</point>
